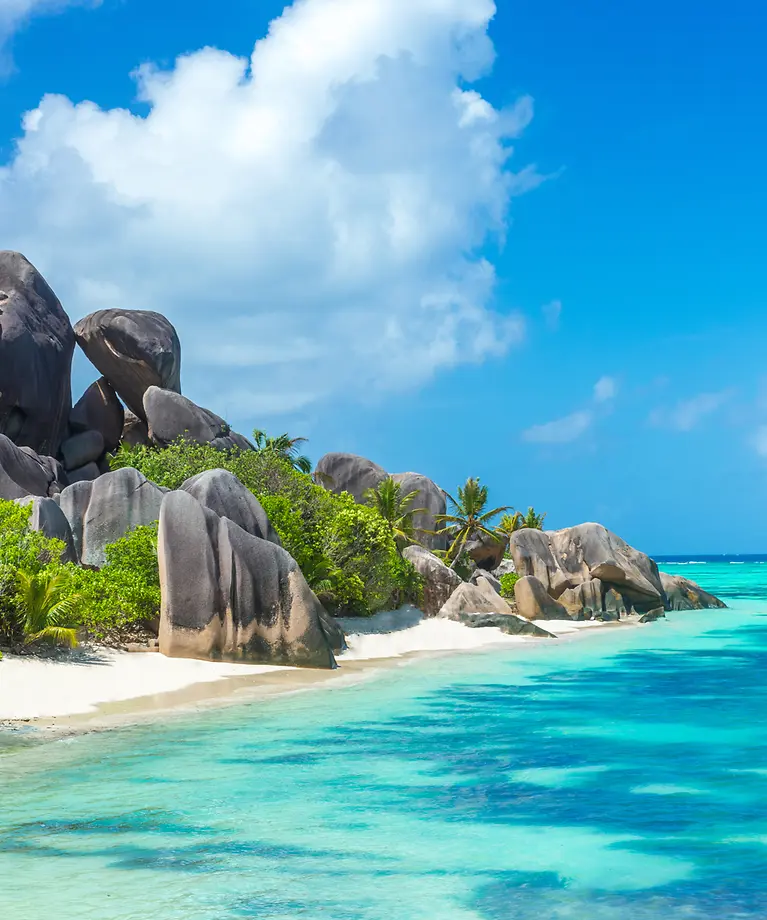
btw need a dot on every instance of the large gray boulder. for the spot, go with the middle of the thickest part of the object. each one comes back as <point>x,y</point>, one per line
<point>135,431</point>
<point>564,559</point>
<point>349,473</point>
<point>476,606</point>
<point>36,346</point>
<point>432,499</point>
<point>49,519</point>
<point>83,447</point>
<point>134,350</point>
<point>439,581</point>
<point>23,472</point>
<point>170,416</point>
<point>229,595</point>
<point>683,594</point>
<point>104,510</point>
<point>535,603</point>
<point>99,409</point>
<point>224,494</point>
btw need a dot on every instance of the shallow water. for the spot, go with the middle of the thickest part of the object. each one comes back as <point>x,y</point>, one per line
<point>618,776</point>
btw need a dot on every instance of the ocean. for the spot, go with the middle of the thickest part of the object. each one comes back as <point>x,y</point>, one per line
<point>621,775</point>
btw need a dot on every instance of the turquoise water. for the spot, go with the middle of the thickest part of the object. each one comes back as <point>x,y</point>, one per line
<point>621,776</point>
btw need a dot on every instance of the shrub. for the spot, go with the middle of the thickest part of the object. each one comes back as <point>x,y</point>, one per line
<point>507,584</point>
<point>124,596</point>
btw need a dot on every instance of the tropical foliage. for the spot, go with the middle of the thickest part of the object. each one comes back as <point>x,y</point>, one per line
<point>396,508</point>
<point>47,608</point>
<point>468,517</point>
<point>532,520</point>
<point>507,584</point>
<point>289,449</point>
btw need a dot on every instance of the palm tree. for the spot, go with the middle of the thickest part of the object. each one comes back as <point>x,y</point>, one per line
<point>285,447</point>
<point>47,609</point>
<point>468,518</point>
<point>532,520</point>
<point>396,509</point>
<point>509,524</point>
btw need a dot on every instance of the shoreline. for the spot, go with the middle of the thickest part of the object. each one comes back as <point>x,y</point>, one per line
<point>218,685</point>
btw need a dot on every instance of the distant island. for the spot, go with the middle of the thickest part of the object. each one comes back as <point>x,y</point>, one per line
<point>138,519</point>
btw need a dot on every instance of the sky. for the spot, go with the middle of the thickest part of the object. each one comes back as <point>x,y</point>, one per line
<point>522,241</point>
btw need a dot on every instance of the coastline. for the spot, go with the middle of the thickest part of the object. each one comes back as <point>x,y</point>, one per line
<point>104,689</point>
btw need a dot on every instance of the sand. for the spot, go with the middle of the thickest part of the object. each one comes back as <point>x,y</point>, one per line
<point>98,686</point>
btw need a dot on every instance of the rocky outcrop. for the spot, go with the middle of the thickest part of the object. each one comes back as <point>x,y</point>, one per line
<point>564,560</point>
<point>224,494</point>
<point>486,551</point>
<point>683,594</point>
<point>23,472</point>
<point>439,581</point>
<point>349,473</point>
<point>84,447</point>
<point>99,409</point>
<point>477,606</point>
<point>36,346</point>
<point>432,499</point>
<point>48,518</point>
<point>229,595</point>
<point>134,350</point>
<point>535,603</point>
<point>483,579</point>
<point>506,567</point>
<point>170,416</point>
<point>104,510</point>
<point>135,431</point>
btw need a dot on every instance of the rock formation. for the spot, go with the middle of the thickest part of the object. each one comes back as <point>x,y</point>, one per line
<point>535,603</point>
<point>36,346</point>
<point>134,350</point>
<point>103,511</point>
<point>349,473</point>
<point>99,409</point>
<point>683,594</point>
<point>474,605</point>
<point>23,472</point>
<point>432,499</point>
<point>224,494</point>
<point>439,581</point>
<point>486,551</point>
<point>170,416</point>
<point>229,595</point>
<point>49,519</point>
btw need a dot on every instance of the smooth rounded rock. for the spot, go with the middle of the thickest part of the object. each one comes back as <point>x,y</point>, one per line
<point>432,499</point>
<point>99,409</point>
<point>134,350</point>
<point>48,518</point>
<point>84,447</point>
<point>439,580</point>
<point>171,416</point>
<point>683,594</point>
<point>23,472</point>
<point>223,493</point>
<point>36,346</point>
<point>340,472</point>
<point>534,602</point>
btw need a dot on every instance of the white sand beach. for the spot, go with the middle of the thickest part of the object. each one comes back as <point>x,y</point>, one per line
<point>90,680</point>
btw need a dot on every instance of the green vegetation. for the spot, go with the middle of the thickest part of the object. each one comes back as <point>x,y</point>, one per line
<point>396,508</point>
<point>532,520</point>
<point>47,608</point>
<point>468,517</point>
<point>285,447</point>
<point>347,552</point>
<point>507,583</point>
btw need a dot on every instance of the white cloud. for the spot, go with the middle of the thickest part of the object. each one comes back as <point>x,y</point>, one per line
<point>688,413</point>
<point>552,313</point>
<point>569,428</point>
<point>605,389</point>
<point>313,220</point>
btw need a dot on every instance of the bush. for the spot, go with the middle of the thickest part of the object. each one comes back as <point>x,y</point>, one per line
<point>123,597</point>
<point>21,550</point>
<point>507,584</point>
<point>345,550</point>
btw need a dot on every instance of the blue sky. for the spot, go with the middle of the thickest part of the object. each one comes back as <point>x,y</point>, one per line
<point>581,325</point>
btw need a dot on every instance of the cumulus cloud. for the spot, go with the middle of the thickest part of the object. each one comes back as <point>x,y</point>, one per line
<point>313,219</point>
<point>562,430</point>
<point>688,413</point>
<point>605,389</point>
